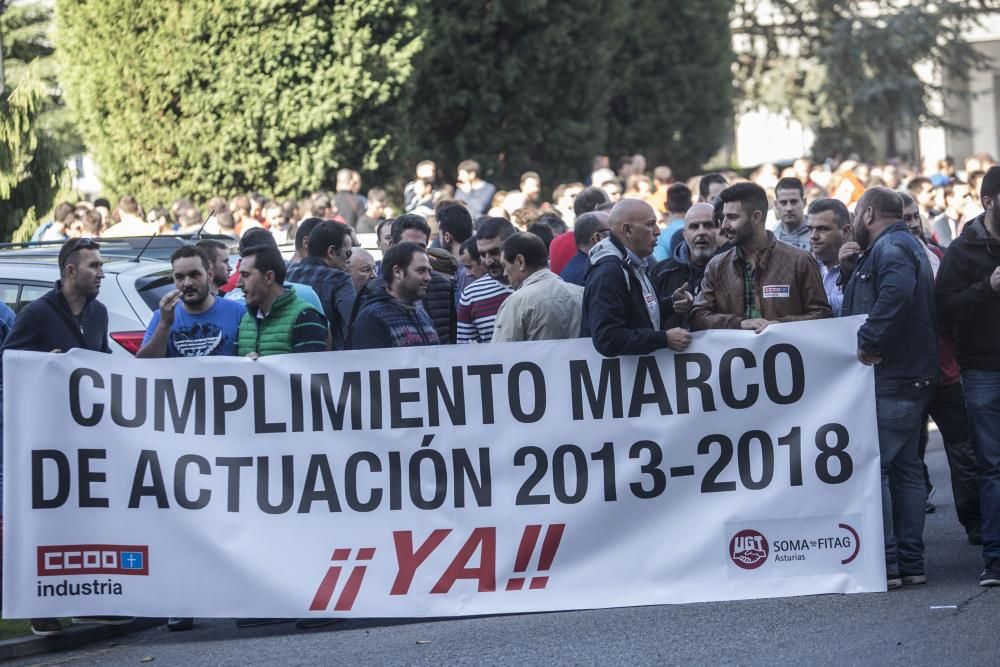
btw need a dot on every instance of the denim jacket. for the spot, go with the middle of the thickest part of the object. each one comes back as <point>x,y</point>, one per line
<point>893,284</point>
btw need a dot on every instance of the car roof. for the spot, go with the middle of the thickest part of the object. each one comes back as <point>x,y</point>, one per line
<point>43,263</point>
<point>129,247</point>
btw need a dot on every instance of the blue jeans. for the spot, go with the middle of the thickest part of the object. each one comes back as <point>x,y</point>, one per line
<point>982,396</point>
<point>900,411</point>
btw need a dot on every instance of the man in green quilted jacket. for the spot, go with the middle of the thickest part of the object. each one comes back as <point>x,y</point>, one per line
<point>276,321</point>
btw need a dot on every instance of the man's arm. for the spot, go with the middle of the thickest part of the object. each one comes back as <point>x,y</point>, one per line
<point>704,313</point>
<point>465,329</point>
<point>343,298</point>
<point>154,343</point>
<point>309,332</point>
<point>960,299</point>
<point>897,278</point>
<point>606,298</point>
<point>24,334</point>
<point>368,332</point>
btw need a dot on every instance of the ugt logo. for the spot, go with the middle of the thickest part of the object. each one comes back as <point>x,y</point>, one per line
<point>748,549</point>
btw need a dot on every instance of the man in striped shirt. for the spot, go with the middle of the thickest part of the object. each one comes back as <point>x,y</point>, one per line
<point>481,299</point>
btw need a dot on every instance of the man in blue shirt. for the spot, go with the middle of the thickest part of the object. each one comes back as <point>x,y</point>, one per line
<point>589,229</point>
<point>191,321</point>
<point>829,226</point>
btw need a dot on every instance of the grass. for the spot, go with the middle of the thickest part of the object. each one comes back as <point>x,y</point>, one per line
<point>15,628</point>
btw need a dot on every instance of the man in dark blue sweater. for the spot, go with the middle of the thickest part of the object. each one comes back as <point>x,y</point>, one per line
<point>68,317</point>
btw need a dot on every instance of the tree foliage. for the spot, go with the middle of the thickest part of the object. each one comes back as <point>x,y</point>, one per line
<point>196,97</point>
<point>673,90</point>
<point>30,165</point>
<point>846,68</point>
<point>24,29</point>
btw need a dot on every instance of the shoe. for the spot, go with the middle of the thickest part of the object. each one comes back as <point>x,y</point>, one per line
<point>930,508</point>
<point>313,623</point>
<point>45,627</point>
<point>258,622</point>
<point>991,575</point>
<point>975,536</point>
<point>103,620</point>
<point>914,579</point>
<point>893,581</point>
<point>179,624</point>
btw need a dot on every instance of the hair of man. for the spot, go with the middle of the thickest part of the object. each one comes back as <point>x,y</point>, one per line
<point>750,195</point>
<point>68,255</point>
<point>267,258</point>
<point>401,255</point>
<point>791,183</point>
<point>409,221</point>
<point>705,183</point>
<point>841,216</point>
<point>186,251</point>
<point>495,228</point>
<point>553,221</point>
<point>589,200</point>
<point>529,246</point>
<point>305,228</point>
<point>990,187</point>
<point>678,198</point>
<point>327,234</point>
<point>470,248</point>
<point>456,221</point>
<point>542,231</point>
<point>586,226</point>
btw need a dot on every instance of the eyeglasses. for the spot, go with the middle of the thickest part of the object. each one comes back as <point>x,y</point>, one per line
<point>84,243</point>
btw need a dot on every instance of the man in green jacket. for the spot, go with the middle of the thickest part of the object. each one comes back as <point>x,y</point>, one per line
<point>276,321</point>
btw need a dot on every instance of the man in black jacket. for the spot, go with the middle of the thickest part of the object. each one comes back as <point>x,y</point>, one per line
<point>439,301</point>
<point>621,310</point>
<point>678,279</point>
<point>68,317</point>
<point>968,299</point>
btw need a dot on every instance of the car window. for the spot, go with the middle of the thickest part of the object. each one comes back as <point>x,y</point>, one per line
<point>153,286</point>
<point>8,294</point>
<point>29,293</point>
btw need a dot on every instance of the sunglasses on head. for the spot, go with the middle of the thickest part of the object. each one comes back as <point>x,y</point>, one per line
<point>78,244</point>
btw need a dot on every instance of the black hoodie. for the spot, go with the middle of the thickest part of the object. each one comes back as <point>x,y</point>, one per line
<point>48,324</point>
<point>965,300</point>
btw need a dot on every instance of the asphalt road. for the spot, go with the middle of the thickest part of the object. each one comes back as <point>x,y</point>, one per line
<point>949,621</point>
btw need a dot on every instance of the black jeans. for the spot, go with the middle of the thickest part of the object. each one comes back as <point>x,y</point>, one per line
<point>947,409</point>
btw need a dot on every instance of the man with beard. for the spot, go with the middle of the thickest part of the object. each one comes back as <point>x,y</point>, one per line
<point>829,226</point>
<point>203,325</point>
<point>395,316</point>
<point>481,299</point>
<point>891,282</point>
<point>678,279</point>
<point>759,280</point>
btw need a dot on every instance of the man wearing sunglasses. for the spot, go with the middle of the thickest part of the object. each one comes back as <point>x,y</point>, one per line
<point>68,317</point>
<point>325,270</point>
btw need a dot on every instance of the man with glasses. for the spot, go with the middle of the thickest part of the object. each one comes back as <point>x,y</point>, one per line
<point>68,317</point>
<point>325,270</point>
<point>968,299</point>
<point>588,230</point>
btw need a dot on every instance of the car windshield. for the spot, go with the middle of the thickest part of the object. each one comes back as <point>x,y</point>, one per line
<point>153,286</point>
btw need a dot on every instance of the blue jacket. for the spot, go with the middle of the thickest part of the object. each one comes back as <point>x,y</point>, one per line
<point>893,284</point>
<point>575,270</point>
<point>615,313</point>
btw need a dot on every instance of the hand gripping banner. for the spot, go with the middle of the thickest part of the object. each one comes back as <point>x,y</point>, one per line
<point>441,481</point>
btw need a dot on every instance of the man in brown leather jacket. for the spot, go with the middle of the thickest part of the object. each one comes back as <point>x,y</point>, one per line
<point>760,280</point>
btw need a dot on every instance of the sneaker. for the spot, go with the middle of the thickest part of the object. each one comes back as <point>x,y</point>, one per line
<point>313,623</point>
<point>913,579</point>
<point>179,624</point>
<point>991,575</point>
<point>103,620</point>
<point>258,622</point>
<point>893,581</point>
<point>45,627</point>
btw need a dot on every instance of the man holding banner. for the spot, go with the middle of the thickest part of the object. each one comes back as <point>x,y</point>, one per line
<point>892,283</point>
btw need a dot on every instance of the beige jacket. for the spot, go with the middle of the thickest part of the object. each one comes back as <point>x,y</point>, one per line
<point>544,307</point>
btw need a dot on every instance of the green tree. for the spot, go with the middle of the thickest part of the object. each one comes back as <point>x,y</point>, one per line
<point>202,97</point>
<point>517,85</point>
<point>30,165</point>
<point>847,68</point>
<point>25,28</point>
<point>673,90</point>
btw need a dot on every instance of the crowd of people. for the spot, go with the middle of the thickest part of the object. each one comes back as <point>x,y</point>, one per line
<point>634,262</point>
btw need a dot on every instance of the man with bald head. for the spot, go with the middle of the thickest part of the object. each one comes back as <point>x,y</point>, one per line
<point>891,282</point>
<point>678,279</point>
<point>621,309</point>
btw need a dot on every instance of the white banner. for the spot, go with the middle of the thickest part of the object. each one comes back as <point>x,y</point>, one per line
<point>442,481</point>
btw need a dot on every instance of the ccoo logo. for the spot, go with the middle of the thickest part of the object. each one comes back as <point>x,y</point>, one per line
<point>748,549</point>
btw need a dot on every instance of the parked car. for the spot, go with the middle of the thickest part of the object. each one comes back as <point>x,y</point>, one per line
<point>128,247</point>
<point>131,290</point>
